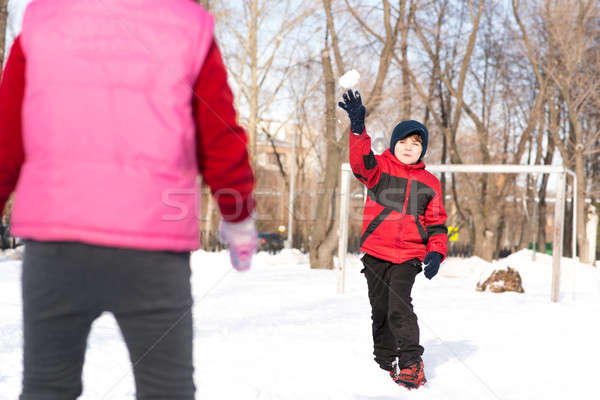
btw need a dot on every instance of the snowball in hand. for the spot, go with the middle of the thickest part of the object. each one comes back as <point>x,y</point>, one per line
<point>350,79</point>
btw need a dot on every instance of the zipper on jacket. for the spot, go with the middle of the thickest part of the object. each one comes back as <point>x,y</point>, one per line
<point>406,196</point>
<point>404,208</point>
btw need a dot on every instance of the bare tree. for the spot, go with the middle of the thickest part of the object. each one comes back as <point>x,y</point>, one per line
<point>254,42</point>
<point>259,41</point>
<point>504,109</point>
<point>565,43</point>
<point>447,83</point>
<point>495,141</point>
<point>496,91</point>
<point>324,235</point>
<point>545,157</point>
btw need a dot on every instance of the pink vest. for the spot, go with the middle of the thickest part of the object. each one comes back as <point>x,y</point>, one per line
<point>108,129</point>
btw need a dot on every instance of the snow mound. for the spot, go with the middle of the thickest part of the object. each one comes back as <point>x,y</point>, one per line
<point>454,267</point>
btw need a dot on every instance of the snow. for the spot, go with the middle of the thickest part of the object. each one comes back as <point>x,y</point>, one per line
<point>280,331</point>
<point>350,79</point>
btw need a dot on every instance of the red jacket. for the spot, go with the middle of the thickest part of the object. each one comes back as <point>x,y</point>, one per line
<point>220,142</point>
<point>404,213</point>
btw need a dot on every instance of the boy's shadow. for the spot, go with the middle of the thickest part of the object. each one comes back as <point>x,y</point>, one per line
<point>438,353</point>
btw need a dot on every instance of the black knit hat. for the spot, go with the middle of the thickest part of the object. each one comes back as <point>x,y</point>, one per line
<point>407,128</point>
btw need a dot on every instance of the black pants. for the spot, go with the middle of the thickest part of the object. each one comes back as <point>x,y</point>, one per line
<point>66,286</point>
<point>395,327</point>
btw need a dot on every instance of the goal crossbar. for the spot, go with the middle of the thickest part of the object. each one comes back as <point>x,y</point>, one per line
<point>498,168</point>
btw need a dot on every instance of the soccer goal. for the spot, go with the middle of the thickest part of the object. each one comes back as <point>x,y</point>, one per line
<point>559,210</point>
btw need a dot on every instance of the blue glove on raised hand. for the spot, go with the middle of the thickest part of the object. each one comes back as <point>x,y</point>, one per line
<point>356,111</point>
<point>432,264</point>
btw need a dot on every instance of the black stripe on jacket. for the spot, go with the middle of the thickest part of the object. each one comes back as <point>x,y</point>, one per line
<point>374,224</point>
<point>436,230</point>
<point>390,191</point>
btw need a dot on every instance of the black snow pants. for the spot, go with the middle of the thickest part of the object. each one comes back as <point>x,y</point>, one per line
<point>66,286</point>
<point>395,327</point>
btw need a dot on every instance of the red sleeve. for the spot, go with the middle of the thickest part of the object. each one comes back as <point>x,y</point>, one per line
<point>362,160</point>
<point>222,154</point>
<point>12,89</point>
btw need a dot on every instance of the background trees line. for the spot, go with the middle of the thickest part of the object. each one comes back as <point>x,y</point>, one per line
<point>495,81</point>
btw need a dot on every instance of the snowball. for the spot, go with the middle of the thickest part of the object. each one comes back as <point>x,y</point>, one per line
<point>350,79</point>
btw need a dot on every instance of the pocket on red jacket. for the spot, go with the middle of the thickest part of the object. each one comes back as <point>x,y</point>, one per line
<point>414,231</point>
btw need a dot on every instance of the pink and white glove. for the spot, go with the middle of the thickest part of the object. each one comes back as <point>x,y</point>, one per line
<point>242,240</point>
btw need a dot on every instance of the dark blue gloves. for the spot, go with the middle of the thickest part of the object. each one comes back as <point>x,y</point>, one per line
<point>432,264</point>
<point>356,111</point>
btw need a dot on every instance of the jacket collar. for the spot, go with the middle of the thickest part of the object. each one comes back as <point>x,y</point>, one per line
<point>388,154</point>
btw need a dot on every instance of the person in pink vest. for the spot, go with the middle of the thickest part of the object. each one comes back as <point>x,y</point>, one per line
<point>110,110</point>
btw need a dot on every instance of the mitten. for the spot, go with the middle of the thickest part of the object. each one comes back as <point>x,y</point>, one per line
<point>242,240</point>
<point>432,264</point>
<point>356,111</point>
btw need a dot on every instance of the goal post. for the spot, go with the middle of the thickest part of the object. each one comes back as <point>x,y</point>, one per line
<point>343,233</point>
<point>559,209</point>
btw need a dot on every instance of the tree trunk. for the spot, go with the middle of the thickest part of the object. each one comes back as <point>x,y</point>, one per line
<point>3,20</point>
<point>323,243</point>
<point>580,212</point>
<point>485,231</point>
<point>568,229</point>
<point>542,216</point>
<point>406,96</point>
<point>252,127</point>
<point>553,123</point>
<point>208,224</point>
<point>503,225</point>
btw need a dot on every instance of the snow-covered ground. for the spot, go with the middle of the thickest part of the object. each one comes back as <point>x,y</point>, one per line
<point>282,332</point>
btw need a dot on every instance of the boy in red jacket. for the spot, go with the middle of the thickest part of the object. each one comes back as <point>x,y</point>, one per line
<point>403,226</point>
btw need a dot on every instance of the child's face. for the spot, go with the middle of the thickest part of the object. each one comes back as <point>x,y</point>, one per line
<point>408,150</point>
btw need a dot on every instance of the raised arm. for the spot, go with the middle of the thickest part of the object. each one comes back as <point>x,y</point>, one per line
<point>362,160</point>
<point>223,158</point>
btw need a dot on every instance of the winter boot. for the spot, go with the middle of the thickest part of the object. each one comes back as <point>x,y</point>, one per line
<point>411,377</point>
